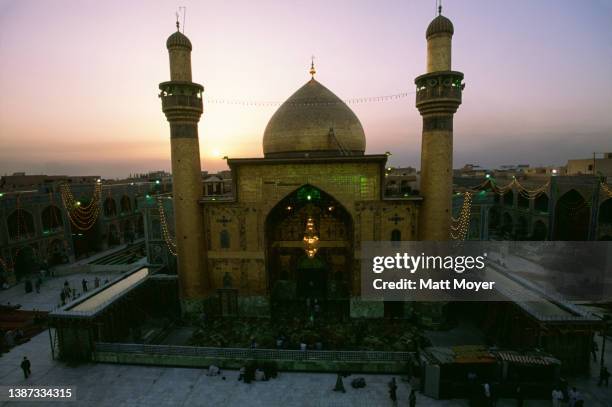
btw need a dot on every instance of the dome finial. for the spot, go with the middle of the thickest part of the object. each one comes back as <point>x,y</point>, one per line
<point>177,22</point>
<point>312,71</point>
<point>439,3</point>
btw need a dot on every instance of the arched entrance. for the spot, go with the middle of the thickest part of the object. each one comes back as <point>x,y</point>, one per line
<point>494,223</point>
<point>113,235</point>
<point>541,203</point>
<point>522,201</point>
<point>26,262</point>
<point>311,278</point>
<point>540,231</point>
<point>509,198</point>
<point>604,223</point>
<point>20,225</point>
<point>507,226</point>
<point>126,205</point>
<point>127,231</point>
<point>572,217</point>
<point>298,279</point>
<point>110,207</point>
<point>522,229</point>
<point>56,253</point>
<point>51,219</point>
<point>140,226</point>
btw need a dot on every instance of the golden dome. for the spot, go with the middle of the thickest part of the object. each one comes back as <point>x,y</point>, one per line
<point>440,25</point>
<point>178,40</point>
<point>313,122</point>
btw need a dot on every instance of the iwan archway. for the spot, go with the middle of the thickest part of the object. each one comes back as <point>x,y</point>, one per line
<point>309,254</point>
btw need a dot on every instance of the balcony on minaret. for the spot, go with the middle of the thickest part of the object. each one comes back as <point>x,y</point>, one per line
<point>439,92</point>
<point>186,95</point>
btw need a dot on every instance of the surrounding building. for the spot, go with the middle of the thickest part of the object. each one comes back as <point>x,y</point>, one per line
<point>39,229</point>
<point>219,184</point>
<point>563,208</point>
<point>599,165</point>
<point>401,181</point>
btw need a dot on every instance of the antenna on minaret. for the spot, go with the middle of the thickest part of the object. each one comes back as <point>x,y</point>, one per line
<point>184,14</point>
<point>312,71</point>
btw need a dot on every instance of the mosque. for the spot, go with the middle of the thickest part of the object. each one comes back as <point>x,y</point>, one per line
<point>292,231</point>
<point>294,226</point>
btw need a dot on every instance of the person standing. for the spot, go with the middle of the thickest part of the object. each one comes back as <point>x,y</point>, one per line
<point>573,397</point>
<point>412,398</point>
<point>604,376</point>
<point>393,391</point>
<point>339,384</point>
<point>519,396</point>
<point>556,397</point>
<point>594,349</point>
<point>25,366</point>
<point>28,286</point>
<point>487,394</point>
<point>84,284</point>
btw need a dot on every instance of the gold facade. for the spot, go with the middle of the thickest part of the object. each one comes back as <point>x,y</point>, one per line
<point>238,246</point>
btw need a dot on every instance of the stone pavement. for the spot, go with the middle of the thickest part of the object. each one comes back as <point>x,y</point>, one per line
<point>122,385</point>
<point>136,386</point>
<point>99,385</point>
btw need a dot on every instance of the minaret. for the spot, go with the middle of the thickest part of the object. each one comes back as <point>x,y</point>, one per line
<point>182,105</point>
<point>438,97</point>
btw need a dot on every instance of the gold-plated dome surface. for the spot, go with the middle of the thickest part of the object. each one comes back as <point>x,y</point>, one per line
<point>178,39</point>
<point>313,122</point>
<point>439,25</point>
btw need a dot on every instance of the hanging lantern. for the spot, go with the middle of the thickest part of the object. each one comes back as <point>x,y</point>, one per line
<point>311,240</point>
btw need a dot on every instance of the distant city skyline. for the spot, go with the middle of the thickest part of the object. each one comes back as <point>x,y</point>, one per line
<point>79,78</point>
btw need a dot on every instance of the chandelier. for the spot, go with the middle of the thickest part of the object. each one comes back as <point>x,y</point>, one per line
<point>311,240</point>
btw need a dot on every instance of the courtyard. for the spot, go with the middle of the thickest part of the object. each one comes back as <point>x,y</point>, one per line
<point>131,385</point>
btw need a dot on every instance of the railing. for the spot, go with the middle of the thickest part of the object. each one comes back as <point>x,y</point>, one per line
<point>181,101</point>
<point>439,85</point>
<point>258,354</point>
<point>450,92</point>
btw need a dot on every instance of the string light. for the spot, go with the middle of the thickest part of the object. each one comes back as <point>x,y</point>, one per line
<point>354,101</point>
<point>83,217</point>
<point>168,239</point>
<point>606,189</point>
<point>489,182</point>
<point>461,225</point>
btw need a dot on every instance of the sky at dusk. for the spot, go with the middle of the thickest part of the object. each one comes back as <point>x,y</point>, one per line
<point>79,79</point>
